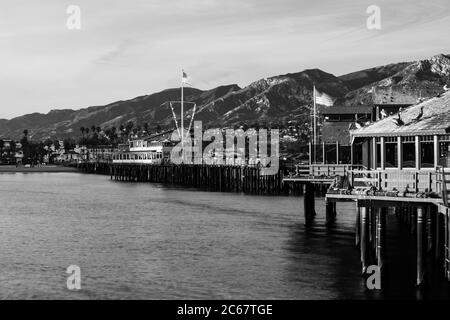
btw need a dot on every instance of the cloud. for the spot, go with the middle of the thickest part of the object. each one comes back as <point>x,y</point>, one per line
<point>129,49</point>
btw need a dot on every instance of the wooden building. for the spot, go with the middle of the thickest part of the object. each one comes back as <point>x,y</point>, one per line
<point>338,120</point>
<point>389,101</point>
<point>417,138</point>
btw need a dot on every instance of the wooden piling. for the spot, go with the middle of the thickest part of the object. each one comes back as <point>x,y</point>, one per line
<point>381,237</point>
<point>309,203</point>
<point>420,247</point>
<point>364,238</point>
<point>447,245</point>
<point>358,226</point>
<point>438,236</point>
<point>429,229</point>
<point>330,213</point>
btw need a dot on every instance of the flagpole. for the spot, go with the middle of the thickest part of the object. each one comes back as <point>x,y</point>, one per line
<point>182,111</point>
<point>315,124</point>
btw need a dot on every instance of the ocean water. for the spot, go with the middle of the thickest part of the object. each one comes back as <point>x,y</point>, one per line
<point>149,241</point>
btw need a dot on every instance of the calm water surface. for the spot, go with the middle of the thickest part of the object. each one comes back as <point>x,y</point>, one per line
<point>144,241</point>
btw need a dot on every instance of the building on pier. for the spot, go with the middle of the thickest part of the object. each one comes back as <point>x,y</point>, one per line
<point>339,121</point>
<point>143,151</point>
<point>417,138</point>
<point>388,101</point>
<point>405,156</point>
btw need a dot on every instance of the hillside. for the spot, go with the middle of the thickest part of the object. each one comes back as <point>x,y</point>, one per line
<point>266,101</point>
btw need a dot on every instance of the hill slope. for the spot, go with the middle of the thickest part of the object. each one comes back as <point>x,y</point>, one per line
<point>275,99</point>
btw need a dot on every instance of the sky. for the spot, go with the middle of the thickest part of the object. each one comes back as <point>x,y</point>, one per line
<point>130,48</point>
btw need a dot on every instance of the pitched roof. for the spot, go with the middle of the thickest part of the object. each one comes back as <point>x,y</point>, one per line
<point>435,120</point>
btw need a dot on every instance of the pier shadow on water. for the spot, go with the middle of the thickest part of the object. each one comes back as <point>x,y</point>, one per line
<point>325,262</point>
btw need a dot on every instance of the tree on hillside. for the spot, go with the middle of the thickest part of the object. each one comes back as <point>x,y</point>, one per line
<point>129,127</point>
<point>82,129</point>
<point>25,146</point>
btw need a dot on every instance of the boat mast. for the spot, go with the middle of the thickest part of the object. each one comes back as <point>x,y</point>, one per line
<point>182,107</point>
<point>314,125</point>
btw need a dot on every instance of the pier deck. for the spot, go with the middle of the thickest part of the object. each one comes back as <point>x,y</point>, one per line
<point>419,199</point>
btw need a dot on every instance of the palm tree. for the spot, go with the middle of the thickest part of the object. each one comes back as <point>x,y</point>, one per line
<point>129,126</point>
<point>82,129</point>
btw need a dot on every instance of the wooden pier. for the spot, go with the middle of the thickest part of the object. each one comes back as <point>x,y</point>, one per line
<point>419,199</point>
<point>210,177</point>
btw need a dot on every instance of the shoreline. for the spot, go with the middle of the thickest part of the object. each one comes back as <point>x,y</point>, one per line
<point>42,169</point>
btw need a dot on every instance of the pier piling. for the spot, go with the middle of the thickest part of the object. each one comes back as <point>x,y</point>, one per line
<point>364,238</point>
<point>309,203</point>
<point>358,226</point>
<point>381,237</point>
<point>330,213</point>
<point>420,247</point>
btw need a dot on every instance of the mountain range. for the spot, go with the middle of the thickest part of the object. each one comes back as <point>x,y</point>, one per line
<point>276,99</point>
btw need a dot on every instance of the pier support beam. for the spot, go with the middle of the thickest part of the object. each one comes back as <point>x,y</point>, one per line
<point>381,237</point>
<point>430,218</point>
<point>330,213</point>
<point>364,238</point>
<point>358,226</point>
<point>447,245</point>
<point>309,203</point>
<point>420,247</point>
<point>438,236</point>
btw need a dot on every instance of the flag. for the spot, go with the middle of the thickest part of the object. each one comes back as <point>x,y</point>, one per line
<point>323,99</point>
<point>185,78</point>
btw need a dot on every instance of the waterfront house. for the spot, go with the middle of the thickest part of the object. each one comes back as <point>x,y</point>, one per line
<point>67,157</point>
<point>10,152</point>
<point>337,122</point>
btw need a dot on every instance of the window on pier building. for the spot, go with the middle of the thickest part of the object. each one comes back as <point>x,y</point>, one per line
<point>444,151</point>
<point>391,152</point>
<point>427,152</point>
<point>409,152</point>
<point>330,153</point>
<point>378,152</point>
<point>345,154</point>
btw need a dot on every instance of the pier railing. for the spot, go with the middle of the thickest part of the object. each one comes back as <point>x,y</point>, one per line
<point>444,178</point>
<point>325,170</point>
<point>435,181</point>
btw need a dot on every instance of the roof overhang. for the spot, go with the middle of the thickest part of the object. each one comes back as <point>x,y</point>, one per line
<point>397,133</point>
